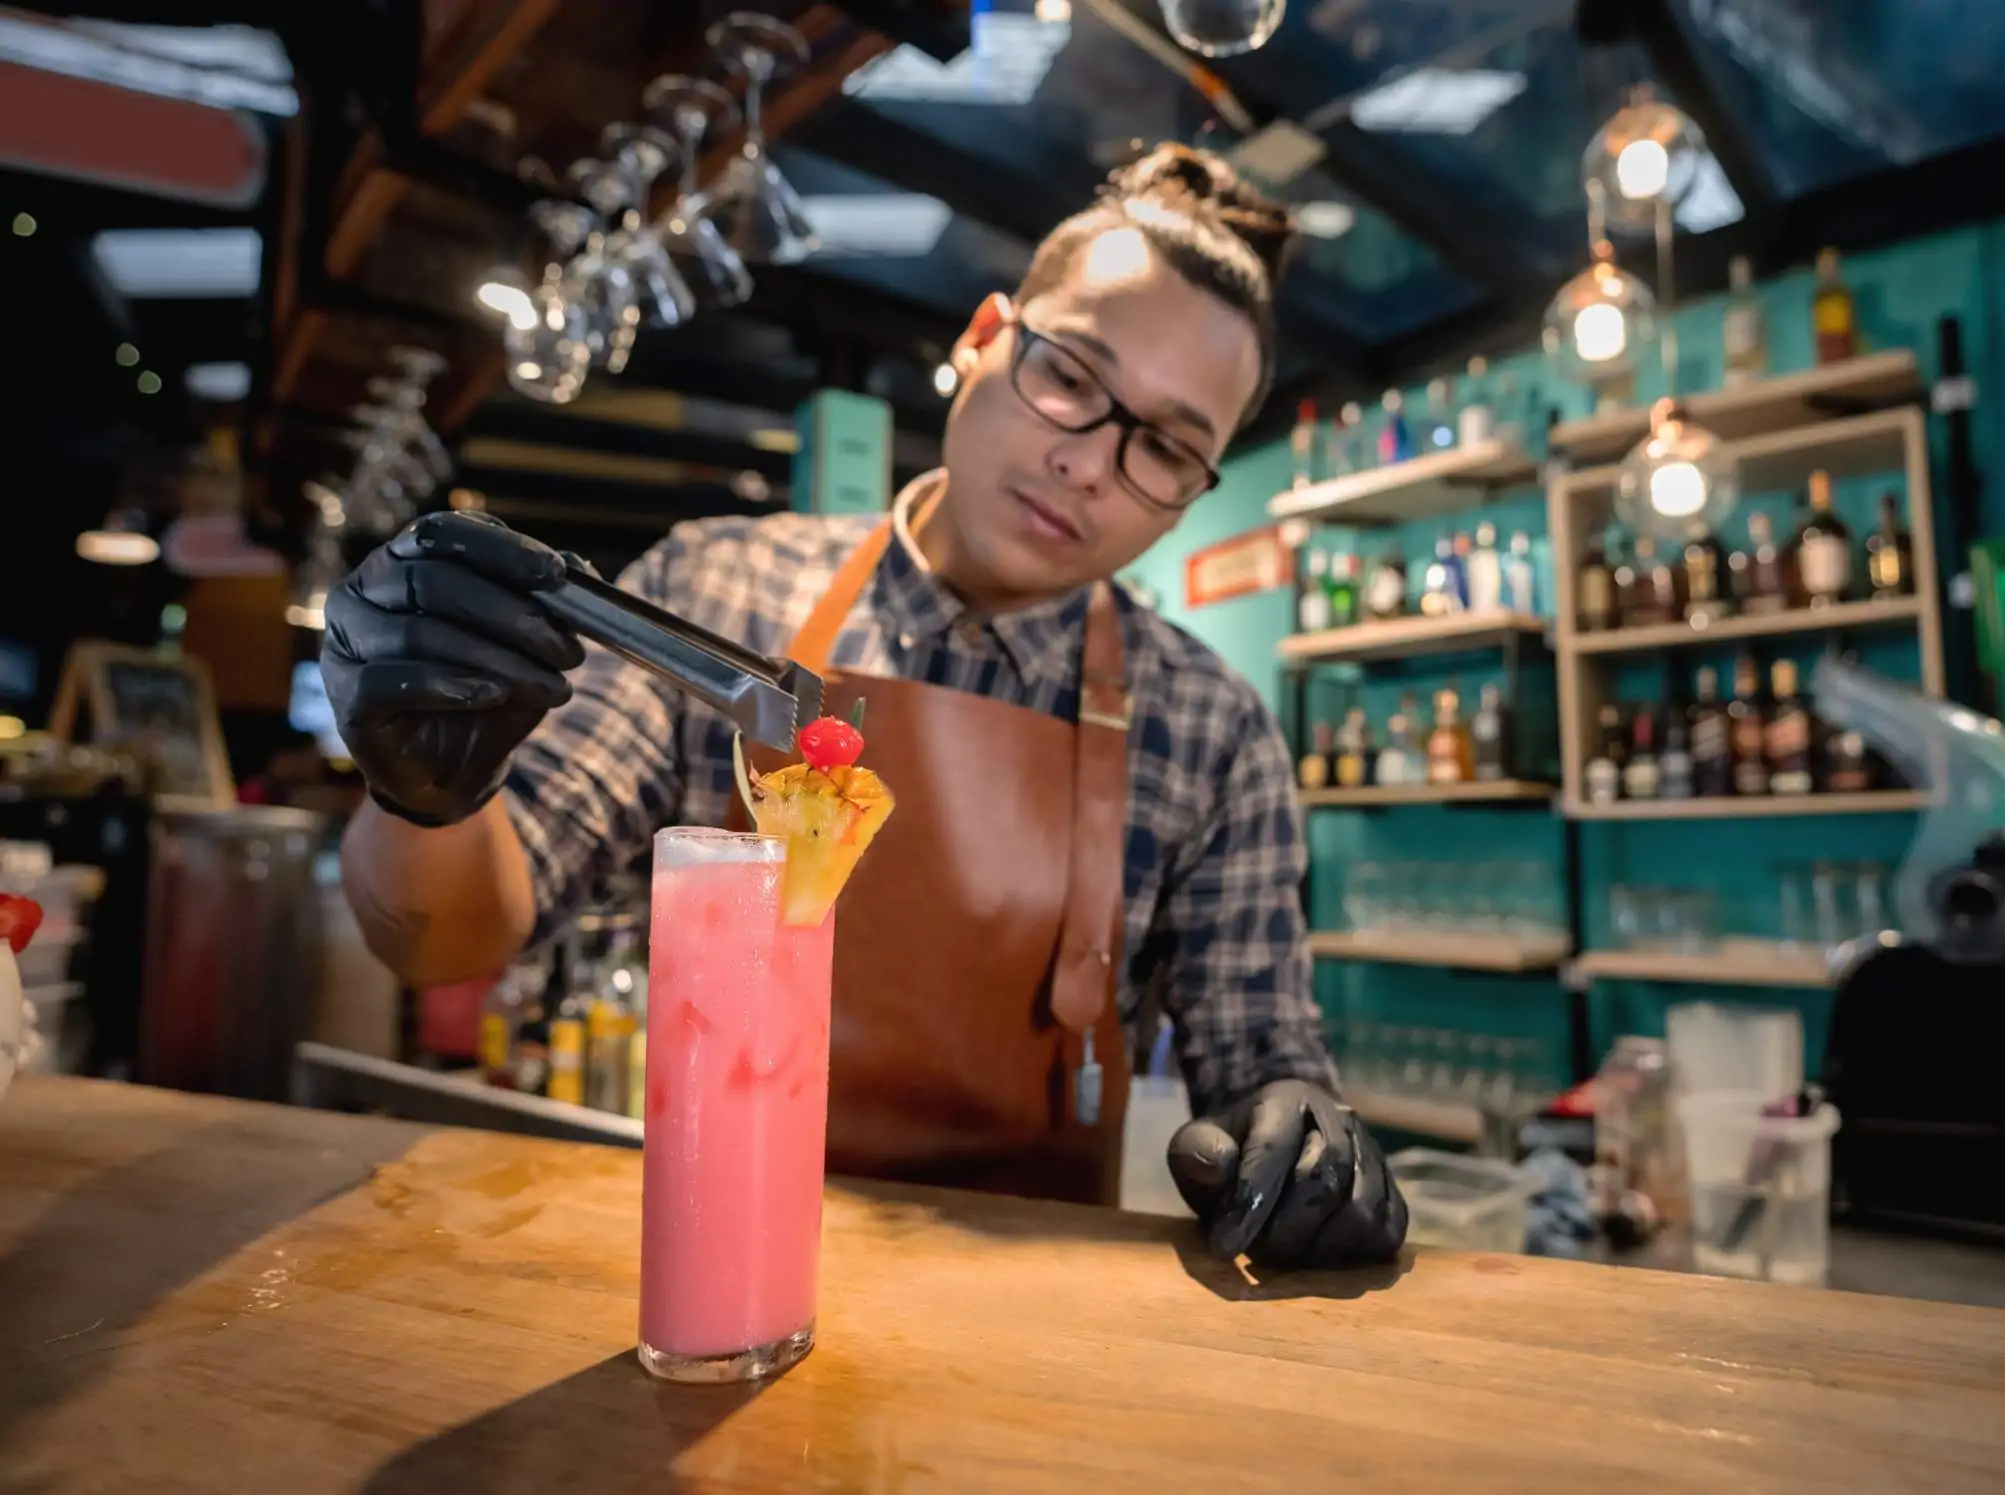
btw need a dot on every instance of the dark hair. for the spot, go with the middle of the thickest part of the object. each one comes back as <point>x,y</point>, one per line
<point>1220,233</point>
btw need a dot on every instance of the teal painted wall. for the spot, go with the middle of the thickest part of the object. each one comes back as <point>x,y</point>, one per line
<point>1901,293</point>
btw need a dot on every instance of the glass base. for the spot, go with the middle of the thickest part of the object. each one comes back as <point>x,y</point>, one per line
<point>755,1364</point>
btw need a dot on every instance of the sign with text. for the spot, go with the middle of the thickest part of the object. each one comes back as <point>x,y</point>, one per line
<point>1253,562</point>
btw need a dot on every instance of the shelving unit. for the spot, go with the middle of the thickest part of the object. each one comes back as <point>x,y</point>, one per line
<point>1465,952</point>
<point>1785,402</point>
<point>1447,482</point>
<point>1411,638</point>
<point>1385,796</point>
<point>1755,807</point>
<point>1739,962</point>
<point>1774,454</point>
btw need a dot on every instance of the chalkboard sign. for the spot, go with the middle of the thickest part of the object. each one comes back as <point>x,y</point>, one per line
<point>159,709</point>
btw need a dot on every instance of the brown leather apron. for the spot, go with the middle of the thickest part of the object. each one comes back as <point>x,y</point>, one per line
<point>978,945</point>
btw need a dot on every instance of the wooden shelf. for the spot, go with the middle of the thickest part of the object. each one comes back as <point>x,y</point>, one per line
<point>1754,807</point>
<point>1465,952</point>
<point>1405,638</point>
<point>1447,482</point>
<point>1896,613</point>
<point>1733,963</point>
<point>1453,1121</point>
<point>1495,791</point>
<point>1860,446</point>
<point>1757,409</point>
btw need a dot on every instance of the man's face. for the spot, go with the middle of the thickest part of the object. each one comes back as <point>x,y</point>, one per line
<point>1036,511</point>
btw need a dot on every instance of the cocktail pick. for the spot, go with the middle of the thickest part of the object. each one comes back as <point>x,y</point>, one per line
<point>742,772</point>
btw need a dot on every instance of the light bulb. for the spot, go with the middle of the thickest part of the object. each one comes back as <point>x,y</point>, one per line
<point>1642,170</point>
<point>945,380</point>
<point>111,547</point>
<point>512,301</point>
<point>1677,490</point>
<point>1600,333</point>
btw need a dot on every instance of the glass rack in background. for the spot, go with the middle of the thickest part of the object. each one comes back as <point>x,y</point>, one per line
<point>1815,907</point>
<point>1521,899</point>
<point>1490,1072</point>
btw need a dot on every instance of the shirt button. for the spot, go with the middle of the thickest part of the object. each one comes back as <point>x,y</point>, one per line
<point>906,640</point>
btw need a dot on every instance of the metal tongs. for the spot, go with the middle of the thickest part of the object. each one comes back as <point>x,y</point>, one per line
<point>768,700</point>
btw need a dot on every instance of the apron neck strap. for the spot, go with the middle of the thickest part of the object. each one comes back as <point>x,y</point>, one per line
<point>1089,943</point>
<point>815,642</point>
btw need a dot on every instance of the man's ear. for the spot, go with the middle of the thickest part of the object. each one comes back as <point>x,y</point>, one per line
<point>994,314</point>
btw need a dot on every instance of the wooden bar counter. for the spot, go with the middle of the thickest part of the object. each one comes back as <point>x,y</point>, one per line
<point>208,1295</point>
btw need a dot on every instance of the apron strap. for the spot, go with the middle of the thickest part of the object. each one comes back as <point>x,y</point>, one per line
<point>815,641</point>
<point>1089,941</point>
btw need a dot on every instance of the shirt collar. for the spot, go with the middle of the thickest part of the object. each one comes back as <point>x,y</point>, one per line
<point>916,604</point>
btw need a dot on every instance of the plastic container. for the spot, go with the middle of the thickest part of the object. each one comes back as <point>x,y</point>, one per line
<point>1463,1203</point>
<point>1157,1106</point>
<point>1715,1047</point>
<point>1760,1187</point>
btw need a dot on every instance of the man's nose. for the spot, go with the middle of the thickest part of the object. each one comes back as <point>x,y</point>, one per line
<point>1088,459</point>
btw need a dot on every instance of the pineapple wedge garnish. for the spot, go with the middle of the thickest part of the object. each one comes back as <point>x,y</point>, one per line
<point>828,817</point>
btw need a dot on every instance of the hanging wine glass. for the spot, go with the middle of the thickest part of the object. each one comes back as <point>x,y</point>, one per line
<point>549,349</point>
<point>754,206</point>
<point>640,154</point>
<point>693,110</point>
<point>406,401</point>
<point>603,286</point>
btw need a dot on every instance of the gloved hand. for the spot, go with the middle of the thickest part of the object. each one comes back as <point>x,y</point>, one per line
<point>1290,1178</point>
<point>438,662</point>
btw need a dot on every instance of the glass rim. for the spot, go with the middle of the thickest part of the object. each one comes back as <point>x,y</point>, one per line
<point>751,846</point>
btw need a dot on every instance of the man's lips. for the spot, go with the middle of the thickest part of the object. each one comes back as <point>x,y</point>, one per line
<point>1046,520</point>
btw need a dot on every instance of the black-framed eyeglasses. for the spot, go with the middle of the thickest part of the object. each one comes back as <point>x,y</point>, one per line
<point>1157,468</point>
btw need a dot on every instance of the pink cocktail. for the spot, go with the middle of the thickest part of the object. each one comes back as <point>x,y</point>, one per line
<point>736,1114</point>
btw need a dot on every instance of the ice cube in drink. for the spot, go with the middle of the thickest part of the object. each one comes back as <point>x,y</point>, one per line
<point>736,1112</point>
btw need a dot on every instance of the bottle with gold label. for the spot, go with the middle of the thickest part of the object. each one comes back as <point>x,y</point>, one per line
<point>1706,597</point>
<point>1451,755</point>
<point>1313,772</point>
<point>500,1014</point>
<point>567,1050</point>
<point>1354,754</point>
<point>1833,312</point>
<point>1823,547</point>
<point>1889,554</point>
<point>1747,729</point>
<point>1791,736</point>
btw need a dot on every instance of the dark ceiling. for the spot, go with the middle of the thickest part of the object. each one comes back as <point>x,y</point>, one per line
<point>1436,143</point>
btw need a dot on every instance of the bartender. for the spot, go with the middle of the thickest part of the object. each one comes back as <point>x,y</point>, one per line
<point>1097,824</point>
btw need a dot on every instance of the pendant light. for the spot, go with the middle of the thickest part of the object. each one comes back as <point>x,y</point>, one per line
<point>1679,482</point>
<point>1645,160</point>
<point>1600,322</point>
<point>121,540</point>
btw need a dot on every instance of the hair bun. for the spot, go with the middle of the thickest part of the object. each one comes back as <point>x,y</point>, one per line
<point>1205,184</point>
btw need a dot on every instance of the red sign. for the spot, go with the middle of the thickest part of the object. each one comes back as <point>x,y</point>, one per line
<point>1253,562</point>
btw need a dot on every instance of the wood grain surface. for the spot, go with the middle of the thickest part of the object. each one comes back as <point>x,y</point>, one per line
<point>201,1295</point>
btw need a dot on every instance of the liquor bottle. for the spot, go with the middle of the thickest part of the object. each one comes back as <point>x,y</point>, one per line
<point>1476,421</point>
<point>1762,579</point>
<point>1354,751</point>
<point>1353,453</point>
<point>1594,588</point>
<point>1712,751</point>
<point>1458,571</point>
<point>1440,431</point>
<point>1302,442</point>
<point>1521,577</point>
<point>611,1026</point>
<point>1400,761</point>
<point>1312,609</point>
<point>1604,769</point>
<point>1674,763</point>
<point>1791,737</point>
<point>1833,312</point>
<point>567,1044</point>
<point>1440,593</point>
<point>1313,772</point>
<point>1385,585</point>
<point>1491,735</point>
<point>1848,765</point>
<point>1823,547</point>
<point>1747,729</point>
<point>1745,327</point>
<point>501,1011</point>
<point>1889,554</point>
<point>1486,571</point>
<point>1451,756</point>
<point>1343,590</point>
<point>1647,587</point>
<point>1395,438</point>
<point>531,1059</point>
<point>1706,597</point>
<point>1640,776</point>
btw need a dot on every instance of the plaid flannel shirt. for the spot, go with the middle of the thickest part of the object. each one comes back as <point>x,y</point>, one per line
<point>1215,854</point>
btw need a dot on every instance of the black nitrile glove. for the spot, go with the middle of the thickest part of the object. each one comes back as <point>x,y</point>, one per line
<point>1290,1178</point>
<point>438,662</point>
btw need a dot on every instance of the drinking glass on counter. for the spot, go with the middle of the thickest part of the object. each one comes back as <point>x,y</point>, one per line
<point>736,1113</point>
